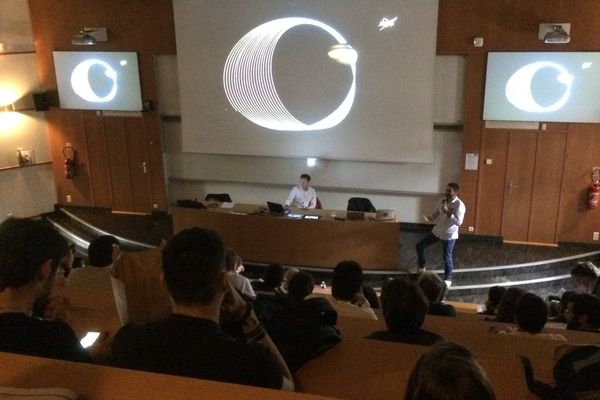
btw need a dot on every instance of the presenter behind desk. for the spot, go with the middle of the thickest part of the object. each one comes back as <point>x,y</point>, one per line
<point>302,196</point>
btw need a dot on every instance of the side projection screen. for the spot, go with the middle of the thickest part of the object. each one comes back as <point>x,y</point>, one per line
<point>553,87</point>
<point>98,80</point>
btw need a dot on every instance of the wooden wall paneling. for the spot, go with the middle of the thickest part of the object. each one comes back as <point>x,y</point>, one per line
<point>139,166</point>
<point>576,222</point>
<point>121,184</point>
<point>490,198</point>
<point>518,185</point>
<point>547,180</point>
<point>67,127</point>
<point>98,160</point>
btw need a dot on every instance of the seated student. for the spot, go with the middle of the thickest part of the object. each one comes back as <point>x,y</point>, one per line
<point>404,308</point>
<point>587,275</point>
<point>272,279</point>
<point>190,342</point>
<point>371,296</point>
<point>448,371</point>
<point>560,308</point>
<point>495,294</point>
<point>300,286</point>
<point>346,286</point>
<point>583,313</point>
<point>289,273</point>
<point>434,288</point>
<point>31,254</point>
<point>506,308</point>
<point>234,268</point>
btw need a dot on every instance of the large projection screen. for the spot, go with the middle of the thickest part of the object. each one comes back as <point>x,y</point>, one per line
<point>256,78</point>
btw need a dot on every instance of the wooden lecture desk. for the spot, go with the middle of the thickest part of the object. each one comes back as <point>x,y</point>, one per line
<point>261,237</point>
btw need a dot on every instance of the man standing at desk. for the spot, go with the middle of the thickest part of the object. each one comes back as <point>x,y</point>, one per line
<point>302,196</point>
<point>449,213</point>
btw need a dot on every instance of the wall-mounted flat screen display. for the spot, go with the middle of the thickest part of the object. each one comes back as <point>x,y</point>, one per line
<point>98,80</point>
<point>554,87</point>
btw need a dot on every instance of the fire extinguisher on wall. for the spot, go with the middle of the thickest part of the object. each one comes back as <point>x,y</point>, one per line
<point>594,190</point>
<point>69,154</point>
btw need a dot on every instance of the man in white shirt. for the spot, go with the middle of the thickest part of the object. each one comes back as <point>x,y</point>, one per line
<point>302,196</point>
<point>448,214</point>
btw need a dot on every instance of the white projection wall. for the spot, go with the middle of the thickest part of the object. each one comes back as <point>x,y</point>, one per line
<point>334,79</point>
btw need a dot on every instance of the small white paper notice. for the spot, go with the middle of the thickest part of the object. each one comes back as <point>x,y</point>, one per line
<point>471,161</point>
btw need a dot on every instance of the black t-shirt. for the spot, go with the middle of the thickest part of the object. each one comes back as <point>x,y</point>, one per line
<point>37,337</point>
<point>419,336</point>
<point>194,347</point>
<point>442,309</point>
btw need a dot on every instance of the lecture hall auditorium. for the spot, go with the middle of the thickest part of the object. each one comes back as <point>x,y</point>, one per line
<point>525,184</point>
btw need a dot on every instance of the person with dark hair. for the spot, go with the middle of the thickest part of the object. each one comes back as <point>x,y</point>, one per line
<point>346,289</point>
<point>272,279</point>
<point>583,313</point>
<point>300,286</point>
<point>370,295</point>
<point>586,274</point>
<point>302,196</point>
<point>404,308</point>
<point>561,308</point>
<point>287,277</point>
<point>531,313</point>
<point>448,213</point>
<point>495,293</point>
<point>448,371</point>
<point>190,342</point>
<point>506,308</point>
<point>234,268</point>
<point>433,288</point>
<point>31,254</point>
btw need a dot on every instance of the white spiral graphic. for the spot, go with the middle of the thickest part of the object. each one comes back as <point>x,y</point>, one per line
<point>249,85</point>
<point>518,87</point>
<point>80,81</point>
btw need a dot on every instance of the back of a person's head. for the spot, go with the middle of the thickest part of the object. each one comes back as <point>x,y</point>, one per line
<point>347,280</point>
<point>495,294</point>
<point>301,285</point>
<point>508,302</point>
<point>531,313</point>
<point>404,305</point>
<point>192,264</point>
<point>273,275</point>
<point>370,295</point>
<point>25,245</point>
<point>448,371</point>
<point>287,277</point>
<point>232,260</point>
<point>100,251</point>
<point>432,286</point>
<point>585,304</point>
<point>585,269</point>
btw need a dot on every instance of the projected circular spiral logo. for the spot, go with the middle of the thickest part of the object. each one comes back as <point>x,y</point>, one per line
<point>250,87</point>
<point>80,81</point>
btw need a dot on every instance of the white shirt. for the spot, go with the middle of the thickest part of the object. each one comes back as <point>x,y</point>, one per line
<point>446,227</point>
<point>302,198</point>
<point>242,284</point>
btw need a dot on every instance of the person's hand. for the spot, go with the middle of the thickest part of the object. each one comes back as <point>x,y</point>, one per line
<point>426,218</point>
<point>233,306</point>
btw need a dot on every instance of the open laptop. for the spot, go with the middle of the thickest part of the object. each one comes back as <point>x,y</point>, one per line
<point>275,208</point>
<point>385,215</point>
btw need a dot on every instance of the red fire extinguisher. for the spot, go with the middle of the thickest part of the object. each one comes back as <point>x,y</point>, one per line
<point>594,189</point>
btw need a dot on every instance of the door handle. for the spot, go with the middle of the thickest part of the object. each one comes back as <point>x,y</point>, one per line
<point>144,167</point>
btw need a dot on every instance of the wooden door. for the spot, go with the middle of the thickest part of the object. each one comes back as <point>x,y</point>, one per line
<point>518,185</point>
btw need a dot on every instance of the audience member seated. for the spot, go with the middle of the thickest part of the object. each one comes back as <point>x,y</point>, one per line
<point>190,342</point>
<point>583,313</point>
<point>346,289</point>
<point>587,275</point>
<point>300,286</point>
<point>560,307</point>
<point>434,289</point>
<point>371,296</point>
<point>289,273</point>
<point>234,268</point>
<point>506,308</point>
<point>448,371</point>
<point>495,294</point>
<point>31,254</point>
<point>404,308</point>
<point>272,279</point>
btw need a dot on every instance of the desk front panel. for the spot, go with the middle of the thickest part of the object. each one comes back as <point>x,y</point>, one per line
<point>311,243</point>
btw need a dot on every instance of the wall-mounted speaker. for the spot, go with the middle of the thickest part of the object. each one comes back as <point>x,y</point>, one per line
<point>41,102</point>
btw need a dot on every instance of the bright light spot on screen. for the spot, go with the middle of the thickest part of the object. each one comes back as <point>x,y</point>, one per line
<point>248,78</point>
<point>518,88</point>
<point>586,65</point>
<point>80,81</point>
<point>311,161</point>
<point>343,53</point>
<point>123,63</point>
<point>386,23</point>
